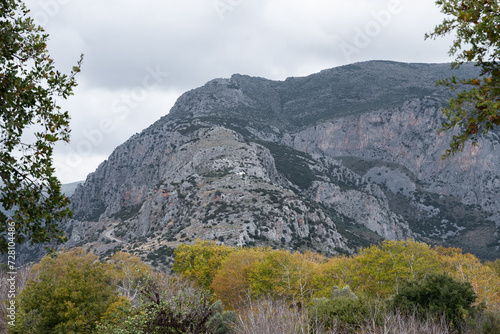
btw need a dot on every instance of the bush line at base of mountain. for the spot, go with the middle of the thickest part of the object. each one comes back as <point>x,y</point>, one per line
<point>404,286</point>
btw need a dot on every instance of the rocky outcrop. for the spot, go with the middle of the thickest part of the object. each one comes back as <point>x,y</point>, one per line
<point>332,162</point>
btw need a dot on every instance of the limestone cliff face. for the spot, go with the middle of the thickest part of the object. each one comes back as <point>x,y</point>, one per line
<point>400,150</point>
<point>407,136</point>
<point>331,162</point>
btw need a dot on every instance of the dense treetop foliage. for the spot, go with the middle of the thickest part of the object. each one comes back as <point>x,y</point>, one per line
<point>438,294</point>
<point>69,295</point>
<point>199,262</point>
<point>376,271</point>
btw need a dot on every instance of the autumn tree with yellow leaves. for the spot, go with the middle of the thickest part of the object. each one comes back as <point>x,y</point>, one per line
<point>231,283</point>
<point>284,274</point>
<point>468,268</point>
<point>200,262</point>
<point>379,270</point>
<point>127,271</point>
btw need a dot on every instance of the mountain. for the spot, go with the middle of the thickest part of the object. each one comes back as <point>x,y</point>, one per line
<point>68,189</point>
<point>332,162</point>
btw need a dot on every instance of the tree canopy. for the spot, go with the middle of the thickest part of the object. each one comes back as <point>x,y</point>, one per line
<point>30,85</point>
<point>71,293</point>
<point>74,292</point>
<point>475,107</point>
<point>200,262</point>
<point>438,294</point>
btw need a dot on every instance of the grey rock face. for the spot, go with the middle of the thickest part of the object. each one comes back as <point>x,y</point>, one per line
<point>332,162</point>
<point>406,137</point>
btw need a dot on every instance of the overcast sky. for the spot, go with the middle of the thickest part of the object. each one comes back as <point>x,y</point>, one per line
<point>140,56</point>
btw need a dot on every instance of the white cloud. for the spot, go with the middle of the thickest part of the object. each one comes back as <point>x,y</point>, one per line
<point>198,40</point>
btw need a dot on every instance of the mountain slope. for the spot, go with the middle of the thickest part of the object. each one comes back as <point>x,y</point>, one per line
<point>332,162</point>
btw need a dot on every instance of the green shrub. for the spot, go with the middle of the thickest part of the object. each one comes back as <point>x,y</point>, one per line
<point>487,322</point>
<point>345,292</point>
<point>490,323</point>
<point>438,295</point>
<point>345,311</point>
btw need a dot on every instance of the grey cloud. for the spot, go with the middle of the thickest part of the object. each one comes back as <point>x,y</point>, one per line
<point>197,40</point>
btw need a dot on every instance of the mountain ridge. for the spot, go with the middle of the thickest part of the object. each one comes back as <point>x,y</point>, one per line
<point>332,162</point>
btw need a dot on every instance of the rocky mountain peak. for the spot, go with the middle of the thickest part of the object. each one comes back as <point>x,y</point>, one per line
<point>332,162</point>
